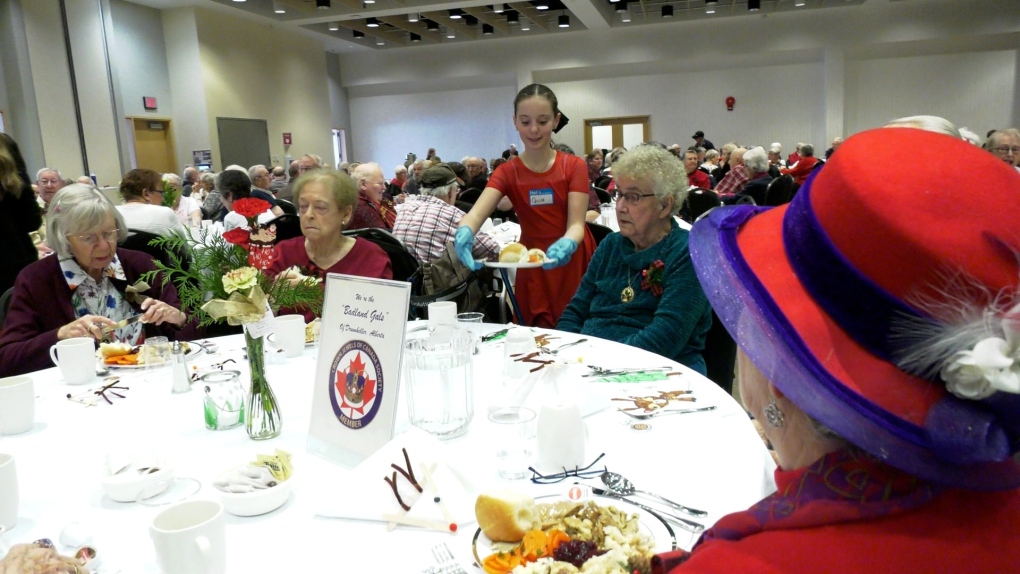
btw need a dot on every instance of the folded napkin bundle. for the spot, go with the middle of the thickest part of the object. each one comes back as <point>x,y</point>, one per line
<point>363,493</point>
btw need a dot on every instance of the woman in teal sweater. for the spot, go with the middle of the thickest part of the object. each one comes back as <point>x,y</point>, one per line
<point>640,288</point>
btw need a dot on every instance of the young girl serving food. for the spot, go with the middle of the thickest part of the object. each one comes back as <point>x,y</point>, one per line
<point>549,192</point>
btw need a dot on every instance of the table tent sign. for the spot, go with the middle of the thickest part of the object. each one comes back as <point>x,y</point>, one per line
<point>356,380</point>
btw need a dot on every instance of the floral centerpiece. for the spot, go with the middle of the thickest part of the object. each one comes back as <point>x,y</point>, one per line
<point>225,281</point>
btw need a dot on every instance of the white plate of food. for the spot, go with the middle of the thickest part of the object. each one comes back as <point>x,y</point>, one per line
<point>640,532</point>
<point>124,356</point>
<point>516,265</point>
<point>517,256</point>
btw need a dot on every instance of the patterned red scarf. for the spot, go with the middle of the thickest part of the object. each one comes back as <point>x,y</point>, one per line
<point>847,485</point>
<point>843,486</point>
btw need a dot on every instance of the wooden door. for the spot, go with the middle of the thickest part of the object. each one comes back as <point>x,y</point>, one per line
<point>609,133</point>
<point>154,147</point>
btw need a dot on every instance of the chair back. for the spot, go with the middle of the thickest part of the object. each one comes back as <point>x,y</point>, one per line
<point>698,202</point>
<point>469,195</point>
<point>598,231</point>
<point>138,240</point>
<point>5,303</point>
<point>780,190</point>
<point>288,226</point>
<point>288,207</point>
<point>604,195</point>
<point>405,265</point>
<point>720,355</point>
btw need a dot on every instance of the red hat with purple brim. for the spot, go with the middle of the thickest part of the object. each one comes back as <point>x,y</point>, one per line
<point>886,302</point>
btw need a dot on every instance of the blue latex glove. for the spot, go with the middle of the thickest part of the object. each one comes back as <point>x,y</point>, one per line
<point>560,252</point>
<point>463,241</point>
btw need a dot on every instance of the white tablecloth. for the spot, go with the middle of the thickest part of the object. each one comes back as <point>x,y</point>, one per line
<point>714,461</point>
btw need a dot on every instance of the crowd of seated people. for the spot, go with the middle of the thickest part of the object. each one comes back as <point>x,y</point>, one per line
<point>423,200</point>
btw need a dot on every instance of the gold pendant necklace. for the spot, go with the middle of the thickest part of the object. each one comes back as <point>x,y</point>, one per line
<point>627,295</point>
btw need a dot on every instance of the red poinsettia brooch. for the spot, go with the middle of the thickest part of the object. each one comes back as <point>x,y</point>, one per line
<point>651,278</point>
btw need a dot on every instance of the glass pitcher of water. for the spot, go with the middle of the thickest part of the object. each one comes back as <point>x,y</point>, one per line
<point>438,380</point>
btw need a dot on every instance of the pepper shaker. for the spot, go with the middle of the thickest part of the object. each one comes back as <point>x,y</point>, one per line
<point>182,383</point>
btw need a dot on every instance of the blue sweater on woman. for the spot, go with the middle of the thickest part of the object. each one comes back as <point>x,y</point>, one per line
<point>672,324</point>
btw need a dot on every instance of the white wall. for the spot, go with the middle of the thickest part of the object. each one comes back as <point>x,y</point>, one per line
<point>187,87</point>
<point>797,76</point>
<point>977,91</point>
<point>21,117</point>
<point>774,103</point>
<point>265,72</point>
<point>138,56</point>
<point>456,123</point>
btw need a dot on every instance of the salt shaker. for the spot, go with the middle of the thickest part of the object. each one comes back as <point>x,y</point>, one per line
<point>182,383</point>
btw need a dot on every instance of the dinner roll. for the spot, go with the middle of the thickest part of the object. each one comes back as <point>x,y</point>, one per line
<point>513,253</point>
<point>506,516</point>
<point>114,349</point>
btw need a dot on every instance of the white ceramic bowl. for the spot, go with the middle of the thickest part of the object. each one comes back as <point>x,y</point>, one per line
<point>126,485</point>
<point>258,502</point>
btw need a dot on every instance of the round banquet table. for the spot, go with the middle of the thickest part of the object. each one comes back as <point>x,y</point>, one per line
<point>712,460</point>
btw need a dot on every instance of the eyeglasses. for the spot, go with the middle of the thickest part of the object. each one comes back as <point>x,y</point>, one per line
<point>585,472</point>
<point>631,198</point>
<point>156,191</point>
<point>1006,149</point>
<point>93,238</point>
<point>48,181</point>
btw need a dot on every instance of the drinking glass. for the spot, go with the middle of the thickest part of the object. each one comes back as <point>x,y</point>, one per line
<point>514,440</point>
<point>156,353</point>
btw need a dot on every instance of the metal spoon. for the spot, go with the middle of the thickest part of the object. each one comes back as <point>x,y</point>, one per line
<point>645,416</point>
<point>619,484</point>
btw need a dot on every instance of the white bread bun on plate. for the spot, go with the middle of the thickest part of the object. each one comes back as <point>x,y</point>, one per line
<point>114,349</point>
<point>513,253</point>
<point>506,516</point>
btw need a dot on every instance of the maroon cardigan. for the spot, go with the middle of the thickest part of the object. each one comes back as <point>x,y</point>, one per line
<point>41,305</point>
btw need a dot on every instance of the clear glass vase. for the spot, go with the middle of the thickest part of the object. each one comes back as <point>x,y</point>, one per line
<point>263,420</point>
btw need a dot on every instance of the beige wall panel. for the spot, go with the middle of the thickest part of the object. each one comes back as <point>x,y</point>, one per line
<point>86,32</point>
<point>259,72</point>
<point>52,85</point>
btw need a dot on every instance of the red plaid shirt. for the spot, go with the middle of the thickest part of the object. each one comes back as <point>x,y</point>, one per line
<point>426,224</point>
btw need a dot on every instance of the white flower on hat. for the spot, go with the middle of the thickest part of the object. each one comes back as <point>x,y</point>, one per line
<point>993,364</point>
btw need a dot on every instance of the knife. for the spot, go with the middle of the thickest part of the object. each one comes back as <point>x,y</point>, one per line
<point>688,525</point>
<point>121,324</point>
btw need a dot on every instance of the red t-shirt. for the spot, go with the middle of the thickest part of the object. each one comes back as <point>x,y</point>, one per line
<point>540,200</point>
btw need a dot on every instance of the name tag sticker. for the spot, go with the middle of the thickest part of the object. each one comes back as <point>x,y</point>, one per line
<point>541,196</point>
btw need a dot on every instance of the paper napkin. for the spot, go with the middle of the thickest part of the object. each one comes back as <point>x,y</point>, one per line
<point>362,493</point>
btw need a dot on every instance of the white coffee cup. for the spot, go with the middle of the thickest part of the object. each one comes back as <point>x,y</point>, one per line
<point>290,334</point>
<point>17,405</point>
<point>190,538</point>
<point>8,492</point>
<point>442,313</point>
<point>76,358</point>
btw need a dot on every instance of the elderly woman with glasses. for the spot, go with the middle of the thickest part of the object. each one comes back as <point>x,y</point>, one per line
<point>640,288</point>
<point>88,285</point>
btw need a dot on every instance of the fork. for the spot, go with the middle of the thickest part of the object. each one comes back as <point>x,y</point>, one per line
<point>447,564</point>
<point>547,351</point>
